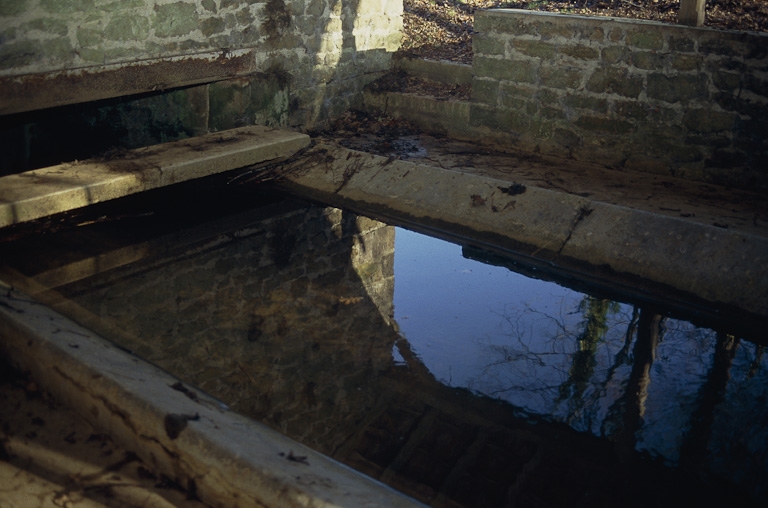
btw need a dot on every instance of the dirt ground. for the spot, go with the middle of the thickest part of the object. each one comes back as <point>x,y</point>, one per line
<point>442,29</point>
<point>693,201</point>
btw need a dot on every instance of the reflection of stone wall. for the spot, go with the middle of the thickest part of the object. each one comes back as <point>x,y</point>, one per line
<point>276,322</point>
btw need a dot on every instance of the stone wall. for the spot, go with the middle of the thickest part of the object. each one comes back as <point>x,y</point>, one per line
<point>184,66</point>
<point>656,97</point>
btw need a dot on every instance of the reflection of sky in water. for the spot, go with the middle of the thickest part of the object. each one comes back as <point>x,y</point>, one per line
<point>505,335</point>
<point>449,307</point>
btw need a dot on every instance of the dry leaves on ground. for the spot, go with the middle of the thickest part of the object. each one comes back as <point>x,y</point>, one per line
<point>442,29</point>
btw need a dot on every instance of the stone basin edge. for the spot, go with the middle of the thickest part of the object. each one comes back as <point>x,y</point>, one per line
<point>223,458</point>
<point>720,266</point>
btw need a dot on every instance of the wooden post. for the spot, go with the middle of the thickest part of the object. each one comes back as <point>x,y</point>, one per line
<point>691,12</point>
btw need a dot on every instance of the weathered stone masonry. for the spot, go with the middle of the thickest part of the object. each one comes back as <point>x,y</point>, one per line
<point>663,98</point>
<point>200,65</point>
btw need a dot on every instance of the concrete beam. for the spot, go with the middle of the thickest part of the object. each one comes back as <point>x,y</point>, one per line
<point>39,91</point>
<point>219,456</point>
<point>47,191</point>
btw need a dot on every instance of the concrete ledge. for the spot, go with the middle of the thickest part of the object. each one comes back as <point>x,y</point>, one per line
<point>717,265</point>
<point>56,189</point>
<point>221,457</point>
<point>38,91</point>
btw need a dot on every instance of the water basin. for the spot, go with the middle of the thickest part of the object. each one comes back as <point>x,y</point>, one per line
<point>422,363</point>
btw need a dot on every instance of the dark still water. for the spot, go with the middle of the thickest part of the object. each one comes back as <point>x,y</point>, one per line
<point>459,382</point>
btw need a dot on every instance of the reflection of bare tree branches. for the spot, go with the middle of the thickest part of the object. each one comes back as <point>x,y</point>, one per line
<point>754,365</point>
<point>712,392</point>
<point>625,415</point>
<point>622,356</point>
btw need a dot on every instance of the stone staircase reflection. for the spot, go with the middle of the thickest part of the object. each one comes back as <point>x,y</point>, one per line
<point>450,448</point>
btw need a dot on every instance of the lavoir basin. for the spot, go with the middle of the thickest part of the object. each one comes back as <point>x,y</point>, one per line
<point>448,370</point>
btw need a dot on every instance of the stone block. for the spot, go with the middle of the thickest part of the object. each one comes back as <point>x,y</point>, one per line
<point>560,28</point>
<point>727,81</point>
<point>634,110</point>
<point>515,103</point>
<point>679,88</point>
<point>603,125</point>
<point>19,53</point>
<point>645,39</point>
<point>549,96</point>
<point>534,48</point>
<point>595,34</point>
<point>13,7</point>
<point>706,120</point>
<point>51,26</point>
<point>510,70</point>
<point>757,85</point>
<point>615,54</point>
<point>67,6</point>
<point>212,25</point>
<point>684,63</point>
<point>730,45</point>
<point>679,44</point>
<point>127,28</point>
<point>566,137</point>
<point>172,20</point>
<point>244,17</point>
<point>585,102</point>
<point>615,80</point>
<point>649,60</point>
<point>579,52</point>
<point>209,5</point>
<point>89,36</point>
<point>58,50</point>
<point>485,91</point>
<point>483,44</point>
<point>560,77</point>
<point>95,56</point>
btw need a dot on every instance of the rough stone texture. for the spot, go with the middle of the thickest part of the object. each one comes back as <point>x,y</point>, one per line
<point>628,93</point>
<point>319,53</point>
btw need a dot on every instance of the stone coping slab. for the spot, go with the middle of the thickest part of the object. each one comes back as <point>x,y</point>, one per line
<point>221,457</point>
<point>47,191</point>
<point>720,266</point>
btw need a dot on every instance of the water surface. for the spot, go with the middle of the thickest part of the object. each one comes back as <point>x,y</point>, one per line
<point>459,382</point>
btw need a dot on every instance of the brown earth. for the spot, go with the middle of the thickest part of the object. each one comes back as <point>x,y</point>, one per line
<point>442,29</point>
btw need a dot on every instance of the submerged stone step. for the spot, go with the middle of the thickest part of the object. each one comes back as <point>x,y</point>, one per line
<point>47,191</point>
